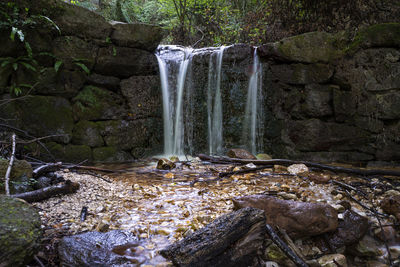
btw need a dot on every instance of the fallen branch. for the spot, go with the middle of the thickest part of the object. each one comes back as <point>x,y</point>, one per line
<point>8,172</point>
<point>50,167</point>
<point>250,170</point>
<point>67,187</point>
<point>287,162</point>
<point>285,249</point>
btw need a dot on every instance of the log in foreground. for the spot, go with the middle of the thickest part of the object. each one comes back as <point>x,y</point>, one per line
<point>66,187</point>
<point>234,239</point>
<point>286,162</point>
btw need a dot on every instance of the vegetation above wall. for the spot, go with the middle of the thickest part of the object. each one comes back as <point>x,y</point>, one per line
<point>217,22</point>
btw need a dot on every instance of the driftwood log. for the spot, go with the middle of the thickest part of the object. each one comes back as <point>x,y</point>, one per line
<point>234,239</point>
<point>286,162</point>
<point>67,187</point>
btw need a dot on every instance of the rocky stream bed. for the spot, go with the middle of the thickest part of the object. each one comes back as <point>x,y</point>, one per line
<point>160,207</point>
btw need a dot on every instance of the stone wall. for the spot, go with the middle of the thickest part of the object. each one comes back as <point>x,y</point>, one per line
<point>332,99</point>
<point>326,97</point>
<point>112,113</point>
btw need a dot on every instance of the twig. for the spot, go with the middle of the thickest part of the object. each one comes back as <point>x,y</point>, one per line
<point>365,206</point>
<point>25,133</point>
<point>7,177</point>
<point>291,244</point>
<point>38,261</point>
<point>288,251</point>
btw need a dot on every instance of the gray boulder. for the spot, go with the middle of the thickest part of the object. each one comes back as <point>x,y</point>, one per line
<point>137,35</point>
<point>124,62</point>
<point>95,249</point>
<point>20,232</point>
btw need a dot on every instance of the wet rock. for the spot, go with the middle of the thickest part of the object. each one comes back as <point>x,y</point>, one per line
<point>87,133</point>
<point>137,35</point>
<point>143,96</point>
<point>20,232</point>
<point>234,239</point>
<point>350,230</point>
<point>124,62</point>
<point>280,168</point>
<point>94,103</point>
<point>263,156</point>
<point>110,154</point>
<point>318,99</point>
<point>367,247</point>
<point>240,154</point>
<point>298,219</point>
<point>108,82</point>
<point>388,234</point>
<point>114,248</point>
<point>395,252</point>
<point>391,205</point>
<point>275,254</point>
<point>319,178</point>
<point>165,164</point>
<point>302,73</point>
<point>297,169</point>
<point>333,260</point>
<point>309,47</point>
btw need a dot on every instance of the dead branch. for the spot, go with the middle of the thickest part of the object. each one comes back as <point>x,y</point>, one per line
<point>285,249</point>
<point>50,167</point>
<point>286,162</point>
<point>228,174</point>
<point>7,177</point>
<point>25,133</point>
<point>67,187</point>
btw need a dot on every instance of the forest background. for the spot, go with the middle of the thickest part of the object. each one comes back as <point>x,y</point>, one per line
<point>219,22</point>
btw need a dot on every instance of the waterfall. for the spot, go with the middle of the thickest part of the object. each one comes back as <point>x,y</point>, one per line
<point>168,58</point>
<point>253,124</point>
<point>168,136</point>
<point>214,102</point>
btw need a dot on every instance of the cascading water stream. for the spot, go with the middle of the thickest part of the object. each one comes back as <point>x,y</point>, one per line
<point>214,102</point>
<point>168,134</point>
<point>179,126</point>
<point>168,57</point>
<point>253,123</point>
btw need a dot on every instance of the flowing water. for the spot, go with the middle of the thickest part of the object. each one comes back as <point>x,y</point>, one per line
<point>214,102</point>
<point>173,62</point>
<point>253,125</point>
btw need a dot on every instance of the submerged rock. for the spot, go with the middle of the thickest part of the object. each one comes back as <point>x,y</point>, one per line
<point>391,205</point>
<point>240,154</point>
<point>350,230</point>
<point>333,260</point>
<point>298,219</point>
<point>114,248</point>
<point>165,164</point>
<point>20,232</point>
<point>234,239</point>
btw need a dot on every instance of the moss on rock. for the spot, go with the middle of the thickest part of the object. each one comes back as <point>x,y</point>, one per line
<point>110,154</point>
<point>379,35</point>
<point>20,232</point>
<point>87,133</point>
<point>94,103</point>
